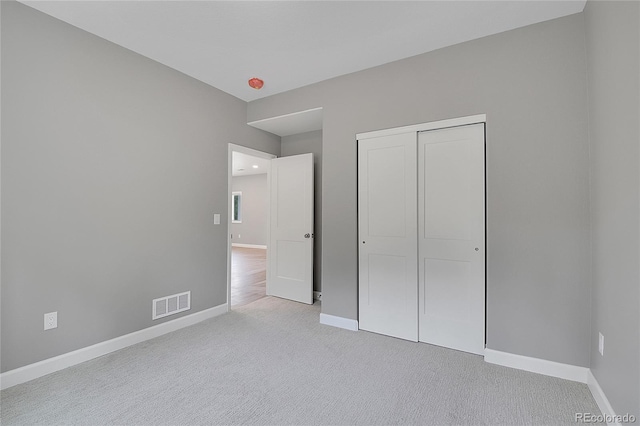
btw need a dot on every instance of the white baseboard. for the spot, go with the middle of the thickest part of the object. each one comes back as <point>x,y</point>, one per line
<point>537,365</point>
<point>47,366</point>
<point>340,322</point>
<point>601,398</point>
<point>258,246</point>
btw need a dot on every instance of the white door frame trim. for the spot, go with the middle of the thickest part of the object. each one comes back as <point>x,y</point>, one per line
<point>442,124</point>
<point>248,151</point>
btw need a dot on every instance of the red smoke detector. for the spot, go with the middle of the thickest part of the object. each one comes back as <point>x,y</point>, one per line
<point>256,83</point>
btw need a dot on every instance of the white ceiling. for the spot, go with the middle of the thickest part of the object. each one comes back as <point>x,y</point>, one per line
<point>243,164</point>
<point>290,44</point>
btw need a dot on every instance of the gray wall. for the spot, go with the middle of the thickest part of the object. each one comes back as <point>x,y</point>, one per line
<point>112,168</point>
<point>612,38</point>
<point>255,209</point>
<point>0,193</point>
<point>531,83</point>
<point>301,144</point>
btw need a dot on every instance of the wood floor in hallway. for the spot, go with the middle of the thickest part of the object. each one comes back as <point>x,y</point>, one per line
<point>248,275</point>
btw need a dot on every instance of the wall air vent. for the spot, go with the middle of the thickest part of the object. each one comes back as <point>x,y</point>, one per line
<point>170,305</point>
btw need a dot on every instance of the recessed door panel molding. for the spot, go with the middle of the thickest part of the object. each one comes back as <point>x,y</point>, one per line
<point>388,295</point>
<point>447,190</point>
<point>451,246</point>
<point>384,269</point>
<point>290,254</point>
<point>290,262</point>
<point>290,210</point>
<point>385,192</point>
<point>441,299</point>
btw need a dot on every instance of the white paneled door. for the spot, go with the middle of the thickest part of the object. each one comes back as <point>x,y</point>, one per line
<point>451,225</point>
<point>290,254</point>
<point>387,233</point>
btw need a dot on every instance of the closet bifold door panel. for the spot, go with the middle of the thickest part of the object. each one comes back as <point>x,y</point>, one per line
<point>387,231</point>
<point>451,242</point>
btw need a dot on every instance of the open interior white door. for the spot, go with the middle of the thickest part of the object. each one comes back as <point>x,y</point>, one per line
<point>451,214</point>
<point>290,253</point>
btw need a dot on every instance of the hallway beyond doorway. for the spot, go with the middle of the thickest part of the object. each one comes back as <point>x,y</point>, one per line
<point>248,275</point>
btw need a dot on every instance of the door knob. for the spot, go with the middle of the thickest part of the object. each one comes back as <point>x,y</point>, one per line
<point>307,235</point>
<point>477,249</point>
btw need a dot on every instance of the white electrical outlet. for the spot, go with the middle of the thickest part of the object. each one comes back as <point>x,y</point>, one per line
<point>601,344</point>
<point>239,236</point>
<point>51,320</point>
<point>216,219</point>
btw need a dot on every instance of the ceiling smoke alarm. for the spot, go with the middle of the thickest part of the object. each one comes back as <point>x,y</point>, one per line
<point>256,83</point>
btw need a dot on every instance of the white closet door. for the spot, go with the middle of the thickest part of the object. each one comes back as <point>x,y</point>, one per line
<point>387,185</point>
<point>451,223</point>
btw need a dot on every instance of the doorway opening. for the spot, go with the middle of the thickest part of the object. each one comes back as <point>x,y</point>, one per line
<point>248,275</point>
<point>248,199</point>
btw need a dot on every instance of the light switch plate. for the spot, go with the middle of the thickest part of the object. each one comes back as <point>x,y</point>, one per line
<point>216,219</point>
<point>601,344</point>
